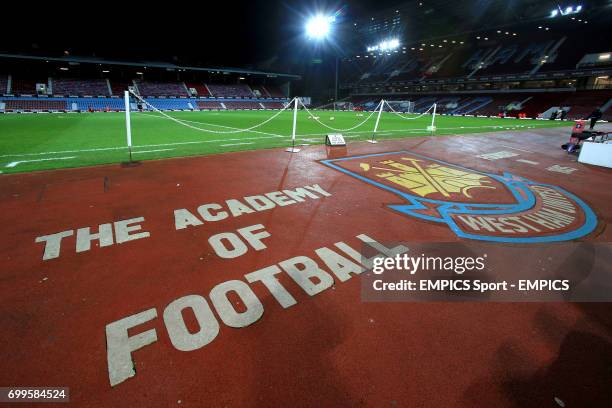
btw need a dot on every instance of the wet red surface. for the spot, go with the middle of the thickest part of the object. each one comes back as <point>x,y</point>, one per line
<point>330,349</point>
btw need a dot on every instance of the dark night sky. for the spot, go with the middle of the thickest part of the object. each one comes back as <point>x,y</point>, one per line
<point>224,33</point>
<point>219,33</point>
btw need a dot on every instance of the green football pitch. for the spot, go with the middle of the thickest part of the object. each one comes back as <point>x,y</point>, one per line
<point>31,142</point>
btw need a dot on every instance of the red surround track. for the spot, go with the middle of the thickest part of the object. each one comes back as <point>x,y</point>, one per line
<point>330,349</point>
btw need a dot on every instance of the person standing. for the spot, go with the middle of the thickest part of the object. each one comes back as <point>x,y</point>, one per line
<point>594,116</point>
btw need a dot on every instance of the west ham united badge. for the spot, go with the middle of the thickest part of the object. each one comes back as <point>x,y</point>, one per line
<point>475,205</point>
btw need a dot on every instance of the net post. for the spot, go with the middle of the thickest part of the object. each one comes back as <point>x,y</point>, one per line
<point>128,124</point>
<point>382,104</point>
<point>292,149</point>
<point>432,128</point>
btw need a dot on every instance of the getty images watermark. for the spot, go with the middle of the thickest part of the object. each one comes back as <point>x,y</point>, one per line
<point>412,264</point>
<point>489,272</point>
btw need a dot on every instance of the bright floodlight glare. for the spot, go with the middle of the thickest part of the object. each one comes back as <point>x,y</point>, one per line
<point>554,13</point>
<point>318,27</point>
<point>387,45</point>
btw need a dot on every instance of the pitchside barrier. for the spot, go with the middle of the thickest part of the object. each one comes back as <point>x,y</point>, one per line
<point>295,104</point>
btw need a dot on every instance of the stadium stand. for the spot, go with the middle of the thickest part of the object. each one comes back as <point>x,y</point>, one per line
<point>273,105</point>
<point>25,86</point>
<point>494,106</point>
<point>35,104</point>
<point>539,52</point>
<point>579,103</point>
<point>230,91</point>
<point>200,89</point>
<point>449,104</point>
<point>119,87</point>
<point>242,105</point>
<point>535,104</point>
<point>213,105</point>
<point>96,104</point>
<point>274,91</point>
<point>583,103</point>
<point>512,58</point>
<point>3,84</point>
<point>80,87</point>
<point>150,88</point>
<point>527,74</point>
<point>260,91</point>
<point>171,103</point>
<point>471,106</point>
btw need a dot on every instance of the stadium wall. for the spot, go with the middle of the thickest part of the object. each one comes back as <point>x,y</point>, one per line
<point>11,104</point>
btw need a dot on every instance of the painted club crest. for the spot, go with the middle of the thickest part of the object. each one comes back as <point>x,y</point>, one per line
<point>473,204</point>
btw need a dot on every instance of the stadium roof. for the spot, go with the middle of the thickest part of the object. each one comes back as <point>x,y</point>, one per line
<point>147,64</point>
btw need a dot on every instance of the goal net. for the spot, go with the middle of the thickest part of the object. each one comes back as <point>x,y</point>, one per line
<point>344,106</point>
<point>402,106</point>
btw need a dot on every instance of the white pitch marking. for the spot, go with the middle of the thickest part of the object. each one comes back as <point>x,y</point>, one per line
<point>497,155</point>
<point>516,148</point>
<point>527,161</point>
<point>139,146</point>
<point>151,151</point>
<point>236,144</point>
<point>561,169</point>
<point>16,163</point>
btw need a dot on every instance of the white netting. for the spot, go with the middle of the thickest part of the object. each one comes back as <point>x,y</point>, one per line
<point>403,106</point>
<point>184,123</point>
<point>408,118</point>
<point>340,130</point>
<point>343,106</point>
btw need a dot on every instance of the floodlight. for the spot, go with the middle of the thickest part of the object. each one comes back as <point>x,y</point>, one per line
<point>319,26</point>
<point>578,8</point>
<point>386,45</point>
<point>554,13</point>
<point>569,10</point>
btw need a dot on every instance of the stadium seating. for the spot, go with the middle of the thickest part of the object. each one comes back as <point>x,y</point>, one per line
<point>23,86</point>
<point>119,87</point>
<point>35,104</point>
<point>80,87</point>
<point>3,84</point>
<point>150,88</point>
<point>242,105</point>
<point>273,105</point>
<point>274,91</point>
<point>513,57</point>
<point>424,103</point>
<point>495,105</point>
<point>535,104</point>
<point>230,91</point>
<point>96,104</point>
<point>200,89</point>
<point>449,104</point>
<point>583,103</point>
<point>540,52</point>
<point>213,105</point>
<point>101,104</point>
<point>171,103</point>
<point>260,91</point>
<point>471,106</point>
